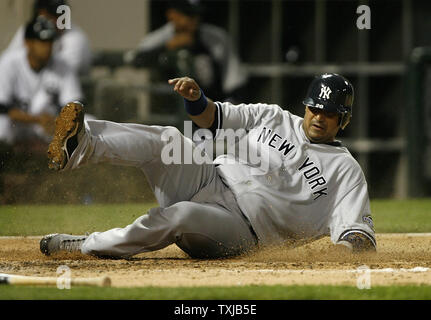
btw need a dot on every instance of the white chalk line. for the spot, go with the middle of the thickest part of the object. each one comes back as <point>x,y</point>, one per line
<point>362,269</point>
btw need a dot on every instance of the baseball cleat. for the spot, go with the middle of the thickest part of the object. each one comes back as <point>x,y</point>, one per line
<point>56,242</point>
<point>68,125</point>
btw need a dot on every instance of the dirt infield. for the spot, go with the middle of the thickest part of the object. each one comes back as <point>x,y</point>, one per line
<point>401,259</point>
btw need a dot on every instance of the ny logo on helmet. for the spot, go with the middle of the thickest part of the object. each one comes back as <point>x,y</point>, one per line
<point>324,92</point>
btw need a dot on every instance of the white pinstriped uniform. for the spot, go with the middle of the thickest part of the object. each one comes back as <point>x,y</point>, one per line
<point>33,92</point>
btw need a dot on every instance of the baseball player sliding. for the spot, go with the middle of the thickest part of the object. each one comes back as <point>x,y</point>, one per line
<point>305,186</point>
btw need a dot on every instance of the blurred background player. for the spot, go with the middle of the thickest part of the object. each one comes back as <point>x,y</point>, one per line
<point>34,85</point>
<point>72,45</point>
<point>186,45</point>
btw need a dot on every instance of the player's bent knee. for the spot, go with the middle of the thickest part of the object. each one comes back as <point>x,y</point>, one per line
<point>187,223</point>
<point>185,216</point>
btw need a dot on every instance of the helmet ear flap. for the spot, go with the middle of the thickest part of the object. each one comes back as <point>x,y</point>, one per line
<point>344,119</point>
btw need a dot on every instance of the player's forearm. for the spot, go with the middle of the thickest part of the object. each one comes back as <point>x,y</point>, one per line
<point>45,120</point>
<point>21,116</point>
<point>206,118</point>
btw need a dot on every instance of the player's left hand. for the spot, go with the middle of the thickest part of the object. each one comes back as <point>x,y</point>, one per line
<point>186,87</point>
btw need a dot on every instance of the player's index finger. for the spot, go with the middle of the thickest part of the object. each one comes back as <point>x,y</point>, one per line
<point>173,81</point>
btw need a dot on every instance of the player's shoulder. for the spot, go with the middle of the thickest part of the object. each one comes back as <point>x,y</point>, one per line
<point>341,151</point>
<point>13,57</point>
<point>263,107</point>
<point>347,157</point>
<point>263,111</point>
<point>213,31</point>
<point>268,110</point>
<point>288,114</point>
<point>338,155</point>
<point>74,34</point>
<point>157,37</point>
<point>348,165</point>
<point>214,37</point>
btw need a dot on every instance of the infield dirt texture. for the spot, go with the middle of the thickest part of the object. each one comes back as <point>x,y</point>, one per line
<point>401,259</point>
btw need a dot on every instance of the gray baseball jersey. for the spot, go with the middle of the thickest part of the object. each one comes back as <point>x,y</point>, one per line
<point>307,190</point>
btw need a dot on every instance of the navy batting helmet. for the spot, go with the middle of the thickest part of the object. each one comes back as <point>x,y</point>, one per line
<point>331,92</point>
<point>41,28</point>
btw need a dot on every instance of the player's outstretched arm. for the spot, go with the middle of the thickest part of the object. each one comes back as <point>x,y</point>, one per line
<point>45,120</point>
<point>199,108</point>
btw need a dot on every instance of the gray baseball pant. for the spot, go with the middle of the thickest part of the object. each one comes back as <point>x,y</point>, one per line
<point>197,212</point>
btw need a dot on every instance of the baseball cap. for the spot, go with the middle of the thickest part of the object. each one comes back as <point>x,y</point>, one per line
<point>41,28</point>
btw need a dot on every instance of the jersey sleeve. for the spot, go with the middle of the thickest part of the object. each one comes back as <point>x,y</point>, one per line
<point>157,38</point>
<point>152,45</point>
<point>75,49</point>
<point>351,221</point>
<point>70,89</point>
<point>226,55</point>
<point>6,81</point>
<point>246,116</point>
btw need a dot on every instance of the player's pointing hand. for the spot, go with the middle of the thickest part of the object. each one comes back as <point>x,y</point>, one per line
<point>186,87</point>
